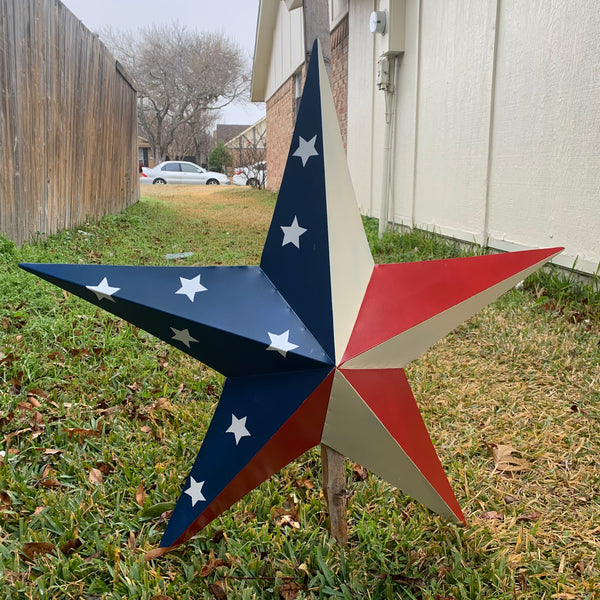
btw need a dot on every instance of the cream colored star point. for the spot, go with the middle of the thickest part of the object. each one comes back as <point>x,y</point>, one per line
<point>281,343</point>
<point>194,491</point>
<point>190,287</point>
<point>103,290</point>
<point>306,149</point>
<point>291,234</point>
<point>238,428</point>
<point>183,336</point>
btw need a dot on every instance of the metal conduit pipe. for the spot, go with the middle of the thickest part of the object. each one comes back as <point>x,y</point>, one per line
<point>386,78</point>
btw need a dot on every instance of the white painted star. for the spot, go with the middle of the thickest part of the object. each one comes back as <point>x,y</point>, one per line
<point>238,428</point>
<point>183,335</point>
<point>306,149</point>
<point>291,234</point>
<point>195,491</point>
<point>280,342</point>
<point>190,287</point>
<point>103,290</point>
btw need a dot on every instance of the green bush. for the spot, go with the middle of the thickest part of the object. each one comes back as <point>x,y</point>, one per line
<point>219,158</point>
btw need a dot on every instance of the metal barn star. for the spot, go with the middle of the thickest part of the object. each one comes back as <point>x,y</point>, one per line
<point>313,341</point>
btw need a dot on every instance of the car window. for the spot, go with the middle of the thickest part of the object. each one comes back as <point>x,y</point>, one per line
<point>171,167</point>
<point>189,168</point>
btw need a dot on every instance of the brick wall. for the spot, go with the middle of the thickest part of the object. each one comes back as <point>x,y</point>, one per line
<point>281,109</point>
<point>281,117</point>
<point>339,74</point>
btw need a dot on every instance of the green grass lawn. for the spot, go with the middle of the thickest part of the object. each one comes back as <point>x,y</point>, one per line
<point>100,424</point>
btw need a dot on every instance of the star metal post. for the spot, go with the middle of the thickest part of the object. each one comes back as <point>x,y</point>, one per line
<point>314,341</point>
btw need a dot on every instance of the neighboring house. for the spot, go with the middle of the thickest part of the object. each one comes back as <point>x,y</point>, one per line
<point>145,157</point>
<point>249,144</point>
<point>223,133</point>
<point>68,123</point>
<point>491,131</point>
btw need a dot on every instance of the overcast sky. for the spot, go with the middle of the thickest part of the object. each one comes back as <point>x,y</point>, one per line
<point>235,18</point>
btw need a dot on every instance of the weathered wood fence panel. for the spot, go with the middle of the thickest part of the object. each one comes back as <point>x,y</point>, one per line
<point>68,123</point>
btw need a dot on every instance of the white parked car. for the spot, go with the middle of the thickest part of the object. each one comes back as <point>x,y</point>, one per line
<point>252,175</point>
<point>181,172</point>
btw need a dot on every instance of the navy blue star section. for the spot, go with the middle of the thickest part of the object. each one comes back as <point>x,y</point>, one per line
<point>302,212</point>
<point>227,325</point>
<point>313,341</point>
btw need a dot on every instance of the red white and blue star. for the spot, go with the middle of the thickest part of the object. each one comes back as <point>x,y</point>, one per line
<point>314,341</point>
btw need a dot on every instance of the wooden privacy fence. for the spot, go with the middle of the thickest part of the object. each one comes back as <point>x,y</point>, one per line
<point>68,123</point>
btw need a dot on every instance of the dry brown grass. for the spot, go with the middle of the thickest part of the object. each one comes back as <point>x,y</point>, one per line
<point>519,376</point>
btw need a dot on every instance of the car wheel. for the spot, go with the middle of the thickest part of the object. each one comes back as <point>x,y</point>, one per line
<point>161,181</point>
<point>252,182</point>
<point>212,182</point>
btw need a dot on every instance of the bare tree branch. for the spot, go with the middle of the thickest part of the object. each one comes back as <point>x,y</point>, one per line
<point>182,76</point>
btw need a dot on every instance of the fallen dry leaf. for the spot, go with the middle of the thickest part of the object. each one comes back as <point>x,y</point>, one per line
<point>217,591</point>
<point>32,549</point>
<point>492,515</point>
<point>37,419</point>
<point>248,516</point>
<point>33,401</point>
<point>443,570</point>
<point>105,468</point>
<point>162,404</point>
<point>359,473</point>
<point>51,483</point>
<point>81,433</point>
<point>161,597</point>
<point>8,359</point>
<point>218,535</point>
<point>287,520</point>
<point>38,510</point>
<point>213,564</point>
<point>96,476</point>
<point>48,480</point>
<point>92,557</point>
<point>10,436</point>
<point>531,516</point>
<point>505,461</point>
<point>579,567</point>
<point>522,582</point>
<point>140,495</point>
<point>305,482</point>
<point>70,546</point>
<point>52,451</point>
<point>289,591</point>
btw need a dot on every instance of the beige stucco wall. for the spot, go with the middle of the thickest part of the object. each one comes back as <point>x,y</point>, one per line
<point>544,183</point>
<point>497,125</point>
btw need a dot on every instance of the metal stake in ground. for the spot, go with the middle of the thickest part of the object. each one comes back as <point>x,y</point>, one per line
<point>333,464</point>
